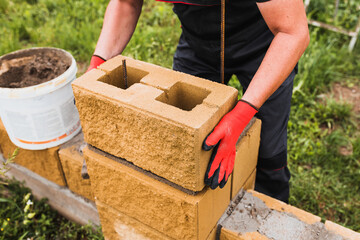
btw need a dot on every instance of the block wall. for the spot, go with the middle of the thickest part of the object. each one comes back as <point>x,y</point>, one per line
<point>154,203</point>
<point>45,163</point>
<point>72,159</point>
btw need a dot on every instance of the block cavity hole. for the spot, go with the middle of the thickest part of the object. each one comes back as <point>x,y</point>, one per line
<point>116,77</point>
<point>184,96</point>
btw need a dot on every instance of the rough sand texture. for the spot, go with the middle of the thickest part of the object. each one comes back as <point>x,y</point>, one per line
<point>32,67</point>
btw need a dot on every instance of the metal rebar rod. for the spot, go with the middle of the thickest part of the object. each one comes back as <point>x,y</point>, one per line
<point>125,73</point>
<point>222,54</point>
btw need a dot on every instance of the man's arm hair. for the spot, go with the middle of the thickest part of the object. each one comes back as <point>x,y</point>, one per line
<point>120,21</point>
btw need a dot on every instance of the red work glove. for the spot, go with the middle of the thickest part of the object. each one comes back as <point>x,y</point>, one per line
<point>224,138</point>
<point>95,62</point>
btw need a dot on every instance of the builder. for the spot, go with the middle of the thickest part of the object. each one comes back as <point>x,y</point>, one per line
<point>264,41</point>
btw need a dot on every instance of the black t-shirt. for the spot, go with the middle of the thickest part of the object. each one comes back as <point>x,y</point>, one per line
<point>246,32</point>
<point>205,2</point>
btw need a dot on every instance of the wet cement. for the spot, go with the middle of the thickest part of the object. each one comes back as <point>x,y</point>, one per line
<point>250,214</point>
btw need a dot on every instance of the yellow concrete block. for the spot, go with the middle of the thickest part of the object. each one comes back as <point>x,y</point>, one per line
<point>117,226</point>
<point>342,231</point>
<point>250,182</point>
<point>247,150</point>
<point>72,160</point>
<point>158,123</point>
<point>212,235</point>
<point>170,211</point>
<point>227,234</point>
<point>45,162</point>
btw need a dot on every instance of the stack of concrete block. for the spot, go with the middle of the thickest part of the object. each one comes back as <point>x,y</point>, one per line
<point>60,165</point>
<point>144,153</point>
<point>45,163</point>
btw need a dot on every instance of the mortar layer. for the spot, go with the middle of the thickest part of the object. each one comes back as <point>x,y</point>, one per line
<point>153,203</point>
<point>117,226</point>
<point>45,163</point>
<point>251,214</point>
<point>145,124</point>
<point>229,235</point>
<point>71,158</point>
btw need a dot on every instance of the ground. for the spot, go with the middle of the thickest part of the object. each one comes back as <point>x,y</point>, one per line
<point>350,94</point>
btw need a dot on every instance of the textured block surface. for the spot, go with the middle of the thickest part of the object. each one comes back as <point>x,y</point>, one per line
<point>71,158</point>
<point>45,162</point>
<point>158,122</point>
<point>117,226</point>
<point>168,210</point>
<point>247,150</point>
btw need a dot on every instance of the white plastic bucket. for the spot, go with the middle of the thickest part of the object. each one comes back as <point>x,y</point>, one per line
<point>44,115</point>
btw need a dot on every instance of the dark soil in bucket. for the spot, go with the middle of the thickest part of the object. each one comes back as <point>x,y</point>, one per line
<point>32,67</point>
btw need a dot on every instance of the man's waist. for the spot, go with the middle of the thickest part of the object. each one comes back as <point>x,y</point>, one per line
<point>194,2</point>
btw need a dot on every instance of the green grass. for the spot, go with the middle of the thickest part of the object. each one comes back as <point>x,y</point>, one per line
<point>22,217</point>
<point>324,181</point>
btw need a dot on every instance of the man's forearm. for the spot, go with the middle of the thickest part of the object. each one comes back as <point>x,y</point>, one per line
<point>287,21</point>
<point>279,61</point>
<point>120,20</point>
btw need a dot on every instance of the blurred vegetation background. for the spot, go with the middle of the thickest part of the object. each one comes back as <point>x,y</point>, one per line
<point>324,142</point>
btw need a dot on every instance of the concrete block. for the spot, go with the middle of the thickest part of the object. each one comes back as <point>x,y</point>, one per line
<point>280,206</point>
<point>158,123</point>
<point>342,231</point>
<point>250,182</point>
<point>70,205</point>
<point>212,235</point>
<point>154,203</point>
<point>117,226</point>
<point>256,216</point>
<point>247,150</point>
<point>226,234</point>
<point>45,162</point>
<point>71,158</point>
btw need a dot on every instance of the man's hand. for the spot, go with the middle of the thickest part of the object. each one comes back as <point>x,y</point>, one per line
<point>224,138</point>
<point>95,62</point>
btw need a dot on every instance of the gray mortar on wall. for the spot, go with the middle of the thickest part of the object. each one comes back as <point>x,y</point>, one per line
<point>250,214</point>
